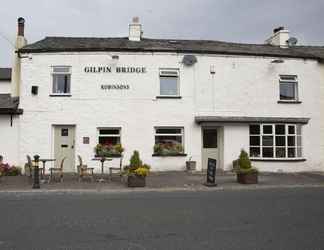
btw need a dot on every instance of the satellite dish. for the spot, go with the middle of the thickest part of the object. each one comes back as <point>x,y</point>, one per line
<point>292,41</point>
<point>189,60</point>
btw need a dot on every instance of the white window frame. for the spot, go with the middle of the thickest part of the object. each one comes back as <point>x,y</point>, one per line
<point>61,73</point>
<point>169,72</point>
<point>298,136</point>
<point>294,80</point>
<point>175,134</point>
<point>109,135</point>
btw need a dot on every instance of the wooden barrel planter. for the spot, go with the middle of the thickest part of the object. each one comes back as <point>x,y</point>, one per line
<point>247,178</point>
<point>136,181</point>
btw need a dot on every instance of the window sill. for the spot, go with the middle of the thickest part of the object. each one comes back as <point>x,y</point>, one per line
<point>168,97</point>
<point>289,102</point>
<point>171,155</point>
<point>280,160</point>
<point>60,95</point>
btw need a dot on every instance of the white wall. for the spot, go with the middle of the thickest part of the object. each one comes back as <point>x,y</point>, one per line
<point>9,139</point>
<point>242,86</point>
<point>5,87</point>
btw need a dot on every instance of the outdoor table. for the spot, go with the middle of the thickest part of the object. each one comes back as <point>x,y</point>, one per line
<point>44,163</point>
<point>102,160</point>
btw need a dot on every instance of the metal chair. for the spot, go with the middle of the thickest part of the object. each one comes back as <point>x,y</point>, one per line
<point>84,170</point>
<point>57,170</point>
<point>119,169</point>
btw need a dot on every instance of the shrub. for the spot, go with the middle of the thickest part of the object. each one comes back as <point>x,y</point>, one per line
<point>7,170</point>
<point>244,164</point>
<point>136,166</point>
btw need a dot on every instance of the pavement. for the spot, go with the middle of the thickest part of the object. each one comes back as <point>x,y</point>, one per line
<point>253,219</point>
<point>164,181</point>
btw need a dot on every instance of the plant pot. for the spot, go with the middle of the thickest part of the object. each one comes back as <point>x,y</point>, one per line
<point>190,165</point>
<point>136,181</point>
<point>247,178</point>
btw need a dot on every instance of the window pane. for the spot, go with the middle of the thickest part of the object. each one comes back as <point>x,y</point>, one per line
<point>255,140</point>
<point>291,130</point>
<point>254,151</point>
<point>288,77</point>
<point>280,152</point>
<point>254,129</point>
<point>280,129</point>
<point>287,91</point>
<point>168,130</point>
<point>168,86</point>
<point>210,138</point>
<point>109,131</point>
<point>109,140</point>
<point>291,141</point>
<point>291,152</point>
<point>61,84</point>
<point>280,141</point>
<point>61,69</point>
<point>267,152</point>
<point>267,140</point>
<point>168,139</point>
<point>299,152</point>
<point>267,129</point>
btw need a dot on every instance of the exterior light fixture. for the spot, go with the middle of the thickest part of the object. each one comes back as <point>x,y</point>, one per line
<point>115,57</point>
<point>277,61</point>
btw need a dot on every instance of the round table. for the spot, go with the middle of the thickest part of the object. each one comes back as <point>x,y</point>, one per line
<point>102,160</point>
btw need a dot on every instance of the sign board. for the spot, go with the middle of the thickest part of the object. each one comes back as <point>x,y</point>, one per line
<point>211,172</point>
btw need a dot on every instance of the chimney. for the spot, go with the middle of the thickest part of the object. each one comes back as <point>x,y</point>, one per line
<point>15,73</point>
<point>279,38</point>
<point>135,30</point>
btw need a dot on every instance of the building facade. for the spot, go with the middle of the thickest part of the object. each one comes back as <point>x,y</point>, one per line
<point>172,100</point>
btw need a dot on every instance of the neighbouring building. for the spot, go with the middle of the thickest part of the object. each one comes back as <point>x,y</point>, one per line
<point>172,100</point>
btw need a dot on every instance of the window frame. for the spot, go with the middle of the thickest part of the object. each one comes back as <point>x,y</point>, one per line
<point>298,137</point>
<point>163,74</point>
<point>181,134</point>
<point>293,80</point>
<point>109,135</point>
<point>53,73</point>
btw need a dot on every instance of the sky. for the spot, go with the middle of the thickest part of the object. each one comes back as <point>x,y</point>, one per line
<point>244,21</point>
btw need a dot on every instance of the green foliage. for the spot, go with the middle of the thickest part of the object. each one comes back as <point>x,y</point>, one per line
<point>170,148</point>
<point>243,164</point>
<point>106,150</point>
<point>136,166</point>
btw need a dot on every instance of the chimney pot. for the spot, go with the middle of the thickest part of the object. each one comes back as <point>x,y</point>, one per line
<point>278,29</point>
<point>21,26</point>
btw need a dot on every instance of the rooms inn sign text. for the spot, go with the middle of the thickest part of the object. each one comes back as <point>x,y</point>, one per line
<point>109,69</point>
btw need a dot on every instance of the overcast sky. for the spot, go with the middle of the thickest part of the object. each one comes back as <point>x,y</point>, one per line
<point>248,21</point>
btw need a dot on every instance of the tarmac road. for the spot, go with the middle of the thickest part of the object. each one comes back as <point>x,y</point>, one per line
<point>223,219</point>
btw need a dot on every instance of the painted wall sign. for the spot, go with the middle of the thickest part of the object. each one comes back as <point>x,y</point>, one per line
<point>114,86</point>
<point>109,69</point>
<point>86,140</point>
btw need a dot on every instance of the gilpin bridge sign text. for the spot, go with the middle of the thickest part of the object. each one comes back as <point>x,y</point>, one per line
<point>109,69</point>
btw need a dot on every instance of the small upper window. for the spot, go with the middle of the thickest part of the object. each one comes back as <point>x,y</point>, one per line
<point>288,88</point>
<point>169,82</point>
<point>61,80</point>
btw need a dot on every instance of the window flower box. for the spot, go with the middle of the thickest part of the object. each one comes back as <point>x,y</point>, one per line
<point>168,149</point>
<point>108,150</point>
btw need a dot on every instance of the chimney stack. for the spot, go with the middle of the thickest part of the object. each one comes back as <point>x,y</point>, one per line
<point>135,30</point>
<point>279,38</point>
<point>15,73</point>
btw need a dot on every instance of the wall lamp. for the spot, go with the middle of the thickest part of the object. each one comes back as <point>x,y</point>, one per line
<point>277,61</point>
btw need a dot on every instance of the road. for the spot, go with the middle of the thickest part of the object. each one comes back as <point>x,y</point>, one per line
<point>241,219</point>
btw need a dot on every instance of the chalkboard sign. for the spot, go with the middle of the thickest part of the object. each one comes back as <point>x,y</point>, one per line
<point>211,172</point>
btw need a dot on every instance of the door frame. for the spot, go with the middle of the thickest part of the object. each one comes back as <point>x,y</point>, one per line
<point>53,126</point>
<point>220,145</point>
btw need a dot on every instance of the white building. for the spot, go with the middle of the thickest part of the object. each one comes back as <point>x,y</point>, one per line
<point>195,99</point>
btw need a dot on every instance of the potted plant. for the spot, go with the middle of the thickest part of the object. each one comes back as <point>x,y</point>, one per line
<point>246,174</point>
<point>136,171</point>
<point>109,150</point>
<point>190,165</point>
<point>168,148</point>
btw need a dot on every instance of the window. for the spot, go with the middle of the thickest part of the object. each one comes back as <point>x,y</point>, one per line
<point>109,136</point>
<point>278,141</point>
<point>61,80</point>
<point>168,141</point>
<point>288,88</point>
<point>169,82</point>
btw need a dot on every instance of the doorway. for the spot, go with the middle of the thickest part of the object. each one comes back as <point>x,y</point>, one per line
<point>64,146</point>
<point>210,147</point>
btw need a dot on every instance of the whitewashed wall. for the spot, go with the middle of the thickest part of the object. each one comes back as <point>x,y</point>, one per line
<point>241,86</point>
<point>5,87</point>
<point>9,140</point>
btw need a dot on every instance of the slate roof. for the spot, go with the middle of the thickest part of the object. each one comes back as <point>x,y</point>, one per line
<point>78,44</point>
<point>9,105</point>
<point>5,74</point>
